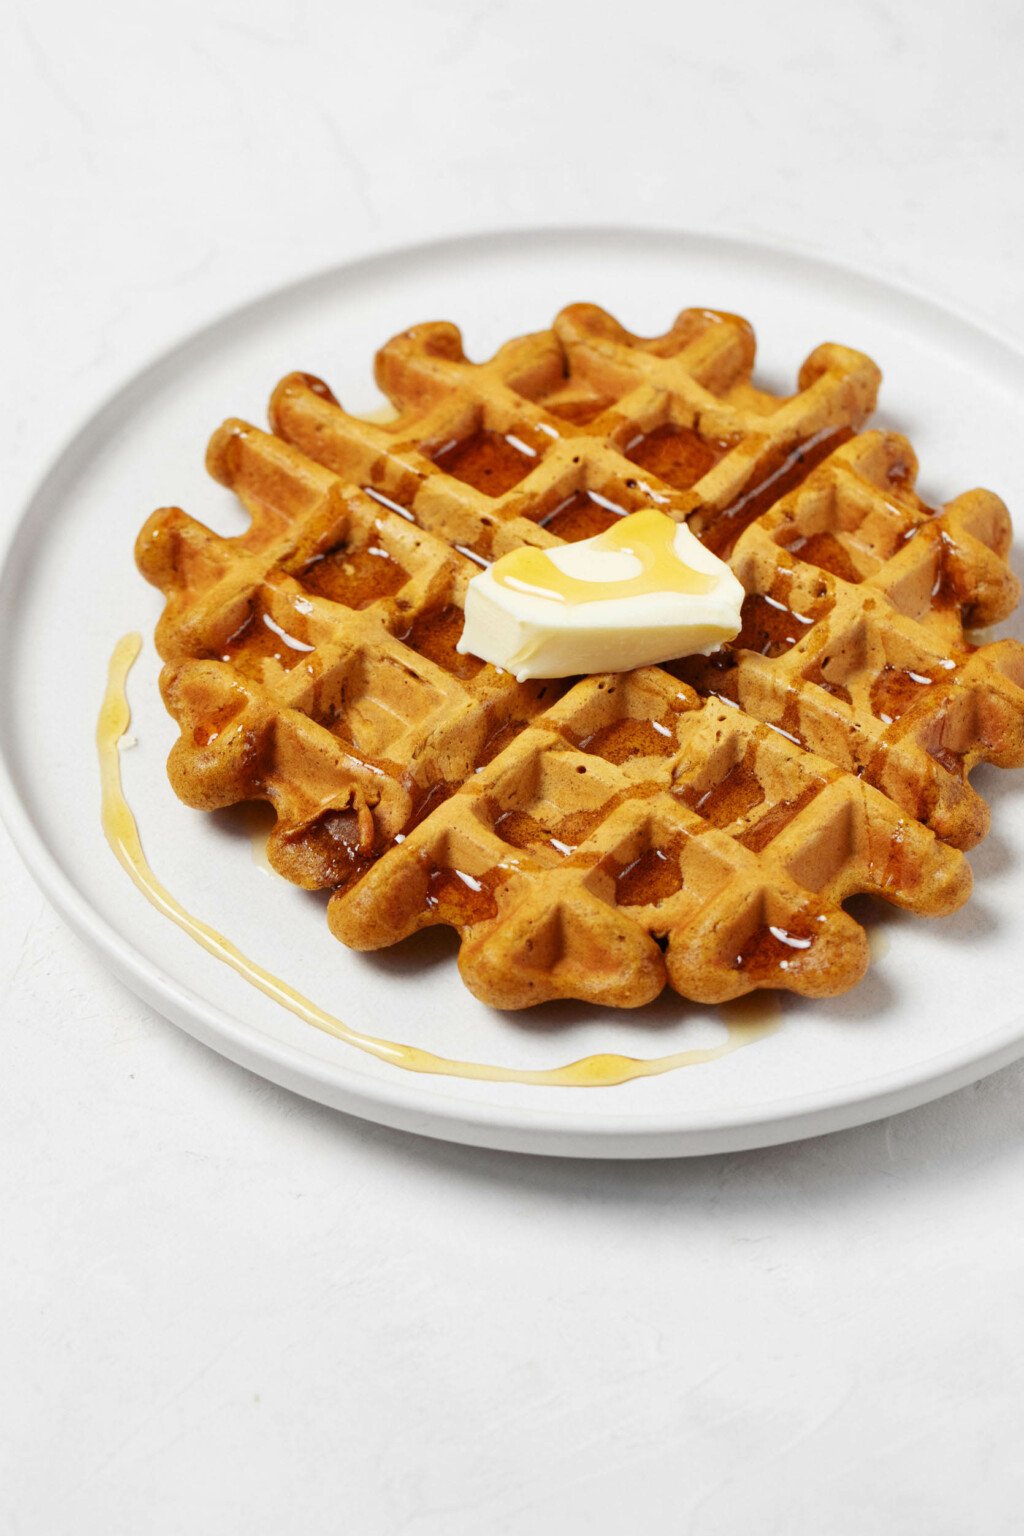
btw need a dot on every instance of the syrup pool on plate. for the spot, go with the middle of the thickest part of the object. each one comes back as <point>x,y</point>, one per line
<point>746,1021</point>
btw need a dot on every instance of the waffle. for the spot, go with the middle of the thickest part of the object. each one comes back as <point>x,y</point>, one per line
<point>700,824</point>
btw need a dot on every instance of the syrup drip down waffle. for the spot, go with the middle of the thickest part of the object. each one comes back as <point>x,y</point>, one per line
<point>699,824</point>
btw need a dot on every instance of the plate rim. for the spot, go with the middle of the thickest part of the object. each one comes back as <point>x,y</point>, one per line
<point>410,1105</point>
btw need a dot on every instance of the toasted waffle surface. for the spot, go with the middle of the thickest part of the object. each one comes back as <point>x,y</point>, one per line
<point>700,825</point>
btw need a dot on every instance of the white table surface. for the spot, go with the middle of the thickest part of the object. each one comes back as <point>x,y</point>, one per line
<point>223,1309</point>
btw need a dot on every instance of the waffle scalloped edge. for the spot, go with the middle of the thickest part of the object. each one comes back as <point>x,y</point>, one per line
<point>699,842</point>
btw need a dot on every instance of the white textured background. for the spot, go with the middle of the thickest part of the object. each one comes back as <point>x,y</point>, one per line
<point>225,1310</point>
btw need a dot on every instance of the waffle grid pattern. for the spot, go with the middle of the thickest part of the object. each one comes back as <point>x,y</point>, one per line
<point>593,840</point>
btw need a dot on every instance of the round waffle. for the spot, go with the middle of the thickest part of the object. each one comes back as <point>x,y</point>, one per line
<point>699,825</point>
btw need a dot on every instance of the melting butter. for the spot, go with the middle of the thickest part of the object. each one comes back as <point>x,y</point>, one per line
<point>745,1023</point>
<point>643,591</point>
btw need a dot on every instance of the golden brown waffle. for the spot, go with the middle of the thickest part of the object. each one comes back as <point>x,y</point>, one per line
<point>853,636</point>
<point>593,840</point>
<point>564,431</point>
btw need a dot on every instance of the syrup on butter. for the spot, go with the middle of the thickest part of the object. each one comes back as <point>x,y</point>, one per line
<point>645,541</point>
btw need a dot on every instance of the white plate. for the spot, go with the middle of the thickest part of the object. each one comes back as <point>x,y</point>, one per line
<point>939,1008</point>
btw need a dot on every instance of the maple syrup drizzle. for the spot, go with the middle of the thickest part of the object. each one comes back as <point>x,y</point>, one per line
<point>781,472</point>
<point>626,738</point>
<point>581,515</point>
<point>776,819</point>
<point>652,876</point>
<point>771,948</point>
<point>897,689</point>
<point>747,1021</point>
<point>769,626</point>
<point>435,634</point>
<point>731,798</point>
<point>492,462</point>
<point>826,552</point>
<point>816,673</point>
<point>259,636</point>
<point>354,577</point>
<point>677,455</point>
<point>521,830</point>
<point>648,536</point>
<point>390,505</point>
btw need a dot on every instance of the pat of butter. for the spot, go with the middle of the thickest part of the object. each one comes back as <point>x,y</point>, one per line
<point>642,592</point>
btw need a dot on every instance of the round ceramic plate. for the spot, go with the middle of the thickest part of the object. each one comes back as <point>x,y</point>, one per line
<point>940,1006</point>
